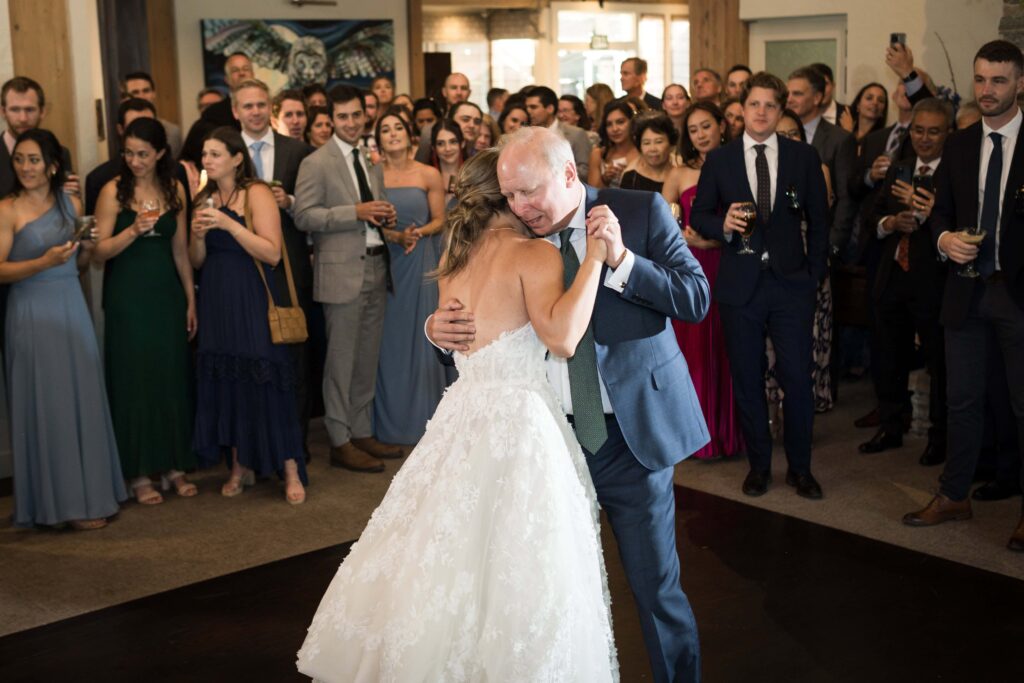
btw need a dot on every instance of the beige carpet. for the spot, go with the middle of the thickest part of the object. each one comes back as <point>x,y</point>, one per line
<point>49,575</point>
<point>869,494</point>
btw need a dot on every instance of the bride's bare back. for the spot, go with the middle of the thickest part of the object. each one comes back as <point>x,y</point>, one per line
<point>510,280</point>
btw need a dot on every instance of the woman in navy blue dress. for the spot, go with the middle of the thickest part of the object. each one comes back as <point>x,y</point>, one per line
<point>245,390</point>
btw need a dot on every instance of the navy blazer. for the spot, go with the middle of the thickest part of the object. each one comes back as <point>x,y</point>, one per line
<point>800,195</point>
<point>647,378</point>
<point>956,207</point>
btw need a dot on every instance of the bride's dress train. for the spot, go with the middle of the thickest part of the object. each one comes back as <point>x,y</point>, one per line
<point>483,561</point>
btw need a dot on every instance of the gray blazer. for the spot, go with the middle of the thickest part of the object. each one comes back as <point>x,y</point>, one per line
<point>580,144</point>
<point>325,206</point>
<point>838,150</point>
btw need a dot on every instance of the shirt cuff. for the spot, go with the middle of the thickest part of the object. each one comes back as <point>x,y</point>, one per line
<point>882,232</point>
<point>913,86</point>
<point>425,323</point>
<point>943,256</point>
<point>616,278</point>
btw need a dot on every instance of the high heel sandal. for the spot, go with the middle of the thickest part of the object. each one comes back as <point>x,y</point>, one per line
<point>150,497</point>
<point>87,524</point>
<point>235,485</point>
<point>293,497</point>
<point>182,486</point>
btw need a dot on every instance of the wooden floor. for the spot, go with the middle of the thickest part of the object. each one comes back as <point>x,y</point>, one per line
<point>776,599</point>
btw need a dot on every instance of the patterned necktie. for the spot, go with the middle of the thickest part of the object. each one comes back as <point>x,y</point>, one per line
<point>764,185</point>
<point>895,140</point>
<point>990,207</point>
<point>903,248</point>
<point>257,157</point>
<point>584,383</point>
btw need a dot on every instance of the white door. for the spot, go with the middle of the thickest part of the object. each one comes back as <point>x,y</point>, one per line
<point>782,45</point>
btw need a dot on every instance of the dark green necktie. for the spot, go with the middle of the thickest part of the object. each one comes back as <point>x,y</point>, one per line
<point>584,384</point>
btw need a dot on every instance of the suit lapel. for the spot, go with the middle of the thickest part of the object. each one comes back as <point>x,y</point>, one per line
<point>1014,181</point>
<point>739,170</point>
<point>346,178</point>
<point>781,174</point>
<point>279,162</point>
<point>973,168</point>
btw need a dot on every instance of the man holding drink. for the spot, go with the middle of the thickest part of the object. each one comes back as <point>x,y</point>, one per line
<point>773,282</point>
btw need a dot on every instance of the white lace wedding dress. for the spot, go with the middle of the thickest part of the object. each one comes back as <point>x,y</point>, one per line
<point>483,562</point>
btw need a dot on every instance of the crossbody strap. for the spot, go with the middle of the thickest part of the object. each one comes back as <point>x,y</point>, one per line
<point>259,266</point>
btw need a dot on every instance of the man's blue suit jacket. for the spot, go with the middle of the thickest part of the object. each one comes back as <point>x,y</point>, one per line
<point>647,378</point>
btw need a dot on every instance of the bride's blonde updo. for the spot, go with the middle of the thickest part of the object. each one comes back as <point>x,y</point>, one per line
<point>478,199</point>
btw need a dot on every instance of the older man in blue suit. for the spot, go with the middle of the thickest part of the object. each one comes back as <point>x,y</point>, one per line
<point>627,391</point>
<point>772,284</point>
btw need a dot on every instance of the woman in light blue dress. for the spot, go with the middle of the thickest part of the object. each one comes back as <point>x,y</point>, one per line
<point>410,380</point>
<point>66,465</point>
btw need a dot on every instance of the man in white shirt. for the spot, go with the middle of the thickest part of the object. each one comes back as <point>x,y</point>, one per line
<point>978,186</point>
<point>339,200</point>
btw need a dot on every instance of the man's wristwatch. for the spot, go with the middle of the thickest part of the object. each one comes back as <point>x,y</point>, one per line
<point>910,76</point>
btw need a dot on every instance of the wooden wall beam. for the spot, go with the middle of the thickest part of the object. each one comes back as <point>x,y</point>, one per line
<point>718,39</point>
<point>417,75</point>
<point>41,50</point>
<point>163,57</point>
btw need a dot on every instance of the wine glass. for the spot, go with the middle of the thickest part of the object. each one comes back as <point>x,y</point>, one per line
<point>972,235</point>
<point>150,211</point>
<point>749,215</point>
<point>677,213</point>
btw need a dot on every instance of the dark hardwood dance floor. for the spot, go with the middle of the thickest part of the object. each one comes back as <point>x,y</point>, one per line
<point>776,598</point>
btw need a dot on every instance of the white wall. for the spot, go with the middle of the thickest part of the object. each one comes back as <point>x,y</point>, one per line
<point>188,13</point>
<point>963,24</point>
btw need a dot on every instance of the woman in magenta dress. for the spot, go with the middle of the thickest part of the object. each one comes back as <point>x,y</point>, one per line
<point>702,343</point>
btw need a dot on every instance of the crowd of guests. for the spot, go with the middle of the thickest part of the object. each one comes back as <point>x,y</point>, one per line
<point>777,187</point>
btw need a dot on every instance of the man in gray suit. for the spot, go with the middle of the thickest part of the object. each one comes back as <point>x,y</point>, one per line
<point>339,200</point>
<point>542,105</point>
<point>836,147</point>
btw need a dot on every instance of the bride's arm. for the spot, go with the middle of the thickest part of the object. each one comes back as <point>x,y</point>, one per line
<point>560,317</point>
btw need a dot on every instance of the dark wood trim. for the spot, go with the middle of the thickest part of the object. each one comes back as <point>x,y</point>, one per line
<point>417,75</point>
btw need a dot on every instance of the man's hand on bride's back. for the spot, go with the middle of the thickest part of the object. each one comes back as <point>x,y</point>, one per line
<point>451,327</point>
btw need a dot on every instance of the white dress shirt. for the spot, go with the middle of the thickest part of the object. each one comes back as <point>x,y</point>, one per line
<point>830,113</point>
<point>373,235</point>
<point>810,128</point>
<point>771,153</point>
<point>558,368</point>
<point>918,165</point>
<point>266,154</point>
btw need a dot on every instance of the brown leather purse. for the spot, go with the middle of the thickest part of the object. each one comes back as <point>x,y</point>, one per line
<point>287,323</point>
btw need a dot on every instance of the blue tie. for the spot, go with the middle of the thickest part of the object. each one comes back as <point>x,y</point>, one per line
<point>257,158</point>
<point>990,207</point>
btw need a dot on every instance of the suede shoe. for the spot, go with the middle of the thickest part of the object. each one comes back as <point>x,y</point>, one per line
<point>940,509</point>
<point>349,457</point>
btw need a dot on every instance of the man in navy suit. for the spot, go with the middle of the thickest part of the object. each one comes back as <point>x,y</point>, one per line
<point>980,183</point>
<point>775,287</point>
<point>637,414</point>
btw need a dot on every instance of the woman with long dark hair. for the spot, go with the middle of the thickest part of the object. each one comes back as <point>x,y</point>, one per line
<point>616,151</point>
<point>703,343</point>
<point>245,392</point>
<point>447,154</point>
<point>868,112</point>
<point>150,313</point>
<point>66,467</point>
<point>319,127</point>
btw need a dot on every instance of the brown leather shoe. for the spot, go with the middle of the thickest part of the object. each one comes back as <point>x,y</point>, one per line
<point>1017,540</point>
<point>351,458</point>
<point>939,510</point>
<point>378,449</point>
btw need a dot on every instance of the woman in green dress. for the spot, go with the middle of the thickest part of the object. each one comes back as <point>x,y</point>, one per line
<point>150,313</point>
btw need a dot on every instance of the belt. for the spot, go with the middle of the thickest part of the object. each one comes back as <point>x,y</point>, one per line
<point>375,251</point>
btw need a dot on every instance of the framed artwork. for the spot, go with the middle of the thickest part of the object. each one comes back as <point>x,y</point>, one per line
<point>289,53</point>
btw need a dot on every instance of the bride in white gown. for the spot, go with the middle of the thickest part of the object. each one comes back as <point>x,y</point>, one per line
<point>483,562</point>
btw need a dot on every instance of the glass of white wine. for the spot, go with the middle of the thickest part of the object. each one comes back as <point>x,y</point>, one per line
<point>973,235</point>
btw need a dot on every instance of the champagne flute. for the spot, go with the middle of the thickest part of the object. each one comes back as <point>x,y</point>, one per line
<point>748,213</point>
<point>972,235</point>
<point>150,211</point>
<point>677,213</point>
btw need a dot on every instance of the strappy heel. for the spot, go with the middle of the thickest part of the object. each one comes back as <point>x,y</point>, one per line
<point>235,485</point>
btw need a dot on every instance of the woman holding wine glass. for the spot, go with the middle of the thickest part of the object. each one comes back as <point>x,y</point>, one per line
<point>406,358</point>
<point>150,313</point>
<point>66,467</point>
<point>245,392</point>
<point>703,344</point>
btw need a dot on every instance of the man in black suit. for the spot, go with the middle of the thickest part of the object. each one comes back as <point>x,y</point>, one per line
<point>981,184</point>
<point>775,287</point>
<point>276,159</point>
<point>836,147</point>
<point>907,290</point>
<point>633,77</point>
